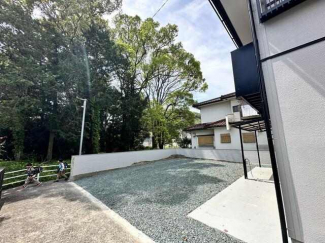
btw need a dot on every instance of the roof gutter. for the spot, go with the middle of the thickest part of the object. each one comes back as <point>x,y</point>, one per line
<point>222,14</point>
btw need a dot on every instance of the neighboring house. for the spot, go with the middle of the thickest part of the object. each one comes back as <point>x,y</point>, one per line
<point>279,69</point>
<point>213,131</point>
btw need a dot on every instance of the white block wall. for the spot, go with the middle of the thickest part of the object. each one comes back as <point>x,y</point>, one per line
<point>88,164</point>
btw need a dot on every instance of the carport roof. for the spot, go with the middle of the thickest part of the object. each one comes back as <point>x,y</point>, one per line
<point>251,124</point>
<point>208,125</point>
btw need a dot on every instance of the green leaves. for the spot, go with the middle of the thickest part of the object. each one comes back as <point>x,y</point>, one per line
<point>136,77</point>
<point>163,71</point>
<point>50,53</point>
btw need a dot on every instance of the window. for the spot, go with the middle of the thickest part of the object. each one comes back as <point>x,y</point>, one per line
<point>249,137</point>
<point>236,108</point>
<point>225,138</point>
<point>206,141</point>
<point>268,9</point>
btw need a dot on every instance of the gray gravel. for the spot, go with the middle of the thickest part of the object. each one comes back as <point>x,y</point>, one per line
<point>157,197</point>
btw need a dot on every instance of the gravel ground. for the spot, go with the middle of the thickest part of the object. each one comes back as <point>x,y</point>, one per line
<point>157,197</point>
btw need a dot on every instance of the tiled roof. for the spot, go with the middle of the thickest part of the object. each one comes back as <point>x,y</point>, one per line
<point>215,100</point>
<point>202,126</point>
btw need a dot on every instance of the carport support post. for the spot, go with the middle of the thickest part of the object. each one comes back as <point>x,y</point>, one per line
<point>258,151</point>
<point>242,152</point>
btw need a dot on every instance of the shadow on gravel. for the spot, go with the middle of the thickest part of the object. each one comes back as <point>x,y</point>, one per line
<point>177,188</point>
<point>2,219</point>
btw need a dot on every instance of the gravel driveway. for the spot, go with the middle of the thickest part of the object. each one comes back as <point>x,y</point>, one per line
<point>156,197</point>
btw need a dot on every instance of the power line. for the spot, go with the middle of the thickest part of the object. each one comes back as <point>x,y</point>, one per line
<point>160,8</point>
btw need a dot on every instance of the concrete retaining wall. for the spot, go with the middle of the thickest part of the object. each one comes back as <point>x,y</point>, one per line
<point>88,164</point>
<point>233,155</point>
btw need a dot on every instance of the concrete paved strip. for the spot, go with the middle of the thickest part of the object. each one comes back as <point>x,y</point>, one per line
<point>61,212</point>
<point>247,210</point>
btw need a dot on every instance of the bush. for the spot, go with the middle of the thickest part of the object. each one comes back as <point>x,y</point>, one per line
<point>184,142</point>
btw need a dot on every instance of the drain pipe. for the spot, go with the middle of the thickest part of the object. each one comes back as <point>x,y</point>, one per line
<point>266,116</point>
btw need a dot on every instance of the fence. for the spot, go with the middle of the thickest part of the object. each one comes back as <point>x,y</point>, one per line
<point>2,171</point>
<point>85,165</point>
<point>15,177</point>
<point>82,165</point>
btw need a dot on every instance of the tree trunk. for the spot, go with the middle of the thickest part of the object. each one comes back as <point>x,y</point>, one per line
<point>154,143</point>
<point>19,138</point>
<point>50,147</point>
<point>95,128</point>
<point>161,145</point>
<point>17,155</point>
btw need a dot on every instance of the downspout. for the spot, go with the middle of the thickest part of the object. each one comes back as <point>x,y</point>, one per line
<point>266,117</point>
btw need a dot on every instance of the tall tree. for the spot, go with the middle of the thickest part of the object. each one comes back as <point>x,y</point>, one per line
<point>52,52</point>
<point>71,20</point>
<point>161,70</point>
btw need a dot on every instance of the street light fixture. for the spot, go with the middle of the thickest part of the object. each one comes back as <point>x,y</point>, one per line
<point>83,124</point>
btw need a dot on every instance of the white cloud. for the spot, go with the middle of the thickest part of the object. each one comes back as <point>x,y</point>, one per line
<point>201,33</point>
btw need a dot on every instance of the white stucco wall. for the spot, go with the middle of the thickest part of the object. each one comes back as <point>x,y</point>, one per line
<point>215,154</point>
<point>295,84</point>
<point>87,164</point>
<point>232,155</point>
<point>215,112</point>
<point>235,140</point>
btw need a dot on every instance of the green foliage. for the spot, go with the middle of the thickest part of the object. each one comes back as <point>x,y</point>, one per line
<point>95,127</point>
<point>184,142</point>
<point>163,70</point>
<point>136,79</point>
<point>156,122</point>
<point>49,60</point>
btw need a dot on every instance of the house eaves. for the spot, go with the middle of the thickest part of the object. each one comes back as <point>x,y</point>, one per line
<point>215,100</point>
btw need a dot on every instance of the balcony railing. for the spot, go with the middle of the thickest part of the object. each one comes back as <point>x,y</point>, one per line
<point>270,8</point>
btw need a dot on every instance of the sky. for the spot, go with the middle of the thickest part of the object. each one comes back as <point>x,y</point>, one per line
<point>201,33</point>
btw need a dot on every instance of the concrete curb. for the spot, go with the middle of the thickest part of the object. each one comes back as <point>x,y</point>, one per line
<point>139,235</point>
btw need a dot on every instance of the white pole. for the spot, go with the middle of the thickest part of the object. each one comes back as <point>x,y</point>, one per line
<point>82,126</point>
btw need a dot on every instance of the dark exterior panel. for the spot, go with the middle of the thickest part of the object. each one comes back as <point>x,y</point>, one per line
<point>245,71</point>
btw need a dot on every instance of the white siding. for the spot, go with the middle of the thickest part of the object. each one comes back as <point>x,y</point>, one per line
<point>235,140</point>
<point>86,165</point>
<point>295,85</point>
<point>215,112</point>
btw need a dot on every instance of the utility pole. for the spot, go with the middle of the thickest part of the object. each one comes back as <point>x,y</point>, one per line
<point>83,124</point>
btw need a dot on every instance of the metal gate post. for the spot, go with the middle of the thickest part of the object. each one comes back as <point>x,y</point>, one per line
<point>258,151</point>
<point>242,152</point>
